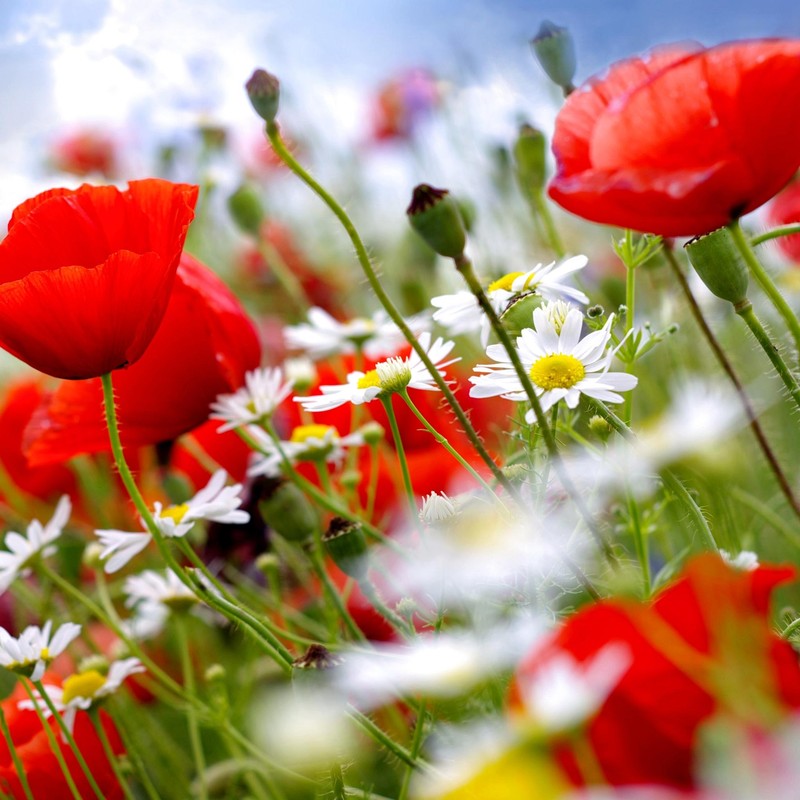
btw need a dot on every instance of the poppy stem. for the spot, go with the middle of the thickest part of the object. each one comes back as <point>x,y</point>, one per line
<point>231,611</point>
<point>94,715</point>
<point>275,139</point>
<point>464,266</point>
<point>775,233</point>
<point>765,282</point>
<point>23,778</point>
<point>745,311</point>
<point>727,367</point>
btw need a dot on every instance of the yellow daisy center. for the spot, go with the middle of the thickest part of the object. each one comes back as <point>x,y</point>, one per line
<point>558,371</point>
<point>504,282</point>
<point>303,433</point>
<point>368,380</point>
<point>84,684</point>
<point>175,513</point>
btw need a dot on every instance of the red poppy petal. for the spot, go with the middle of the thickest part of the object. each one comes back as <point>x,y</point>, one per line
<point>78,322</point>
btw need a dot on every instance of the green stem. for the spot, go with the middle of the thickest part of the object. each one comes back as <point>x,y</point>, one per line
<point>191,716</point>
<point>790,628</point>
<point>416,746</point>
<point>766,282</point>
<point>727,367</point>
<point>23,778</point>
<point>138,764</point>
<point>227,609</point>
<point>789,532</point>
<point>640,542</point>
<point>69,738</point>
<point>785,230</point>
<point>372,488</point>
<point>401,457</point>
<point>284,275</point>
<point>466,269</point>
<point>337,782</point>
<point>376,601</point>
<point>53,742</point>
<point>671,481</point>
<point>273,133</point>
<point>630,306</point>
<point>94,715</point>
<point>553,236</point>
<point>745,311</point>
<point>369,727</point>
<point>442,440</point>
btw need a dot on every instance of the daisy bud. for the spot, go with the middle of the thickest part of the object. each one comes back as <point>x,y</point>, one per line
<point>350,478</point>
<point>267,563</point>
<point>394,374</point>
<point>346,544</point>
<point>91,555</point>
<point>555,51</point>
<point>517,473</point>
<point>215,673</point>
<point>288,513</point>
<point>94,663</point>
<point>436,217</point>
<point>263,89</point>
<point>720,265</point>
<point>600,427</point>
<point>246,209</point>
<point>529,155</point>
<point>373,433</point>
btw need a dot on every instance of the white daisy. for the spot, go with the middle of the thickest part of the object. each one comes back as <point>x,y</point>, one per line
<point>307,443</point>
<point>561,365</point>
<point>264,390</point>
<point>324,336</point>
<point>461,313</point>
<point>745,561</point>
<point>38,541</point>
<point>147,621</point>
<point>214,503</point>
<point>389,376</point>
<point>83,689</point>
<point>158,588</point>
<point>33,650</point>
<point>436,507</point>
<point>563,693</point>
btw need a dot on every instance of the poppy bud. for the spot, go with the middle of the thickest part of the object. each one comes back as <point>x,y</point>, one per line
<point>436,217</point>
<point>555,51</point>
<point>346,544</point>
<point>246,209</point>
<point>529,155</point>
<point>288,513</point>
<point>720,265</point>
<point>264,91</point>
<point>519,313</point>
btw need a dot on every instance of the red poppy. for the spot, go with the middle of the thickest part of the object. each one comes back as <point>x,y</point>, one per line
<point>203,348</point>
<point>703,645</point>
<point>85,275</point>
<point>785,210</point>
<point>41,767</point>
<point>17,404</point>
<point>682,142</point>
<point>401,103</point>
<point>86,152</point>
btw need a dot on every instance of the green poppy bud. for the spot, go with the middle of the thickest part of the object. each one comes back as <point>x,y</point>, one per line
<point>529,155</point>
<point>264,91</point>
<point>555,51</point>
<point>246,209</point>
<point>346,544</point>
<point>436,217</point>
<point>720,265</point>
<point>286,510</point>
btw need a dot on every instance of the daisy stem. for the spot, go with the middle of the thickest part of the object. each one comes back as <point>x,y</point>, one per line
<point>324,478</point>
<point>372,487</point>
<point>53,742</point>
<point>229,610</point>
<point>70,739</point>
<point>191,716</point>
<point>745,311</point>
<point>446,445</point>
<point>416,746</point>
<point>401,457</point>
<point>785,230</point>
<point>766,282</point>
<point>671,481</point>
<point>274,136</point>
<point>368,589</point>
<point>727,367</point>
<point>23,778</point>
<point>464,266</point>
<point>640,541</point>
<point>94,715</point>
<point>283,273</point>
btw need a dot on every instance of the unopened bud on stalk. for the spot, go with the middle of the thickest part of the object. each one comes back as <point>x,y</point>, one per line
<point>720,265</point>
<point>246,209</point>
<point>264,91</point>
<point>346,544</point>
<point>600,427</point>
<point>94,663</point>
<point>287,512</point>
<point>555,51</point>
<point>529,156</point>
<point>436,217</point>
<point>215,673</point>
<point>519,313</point>
<point>91,555</point>
<point>373,433</point>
